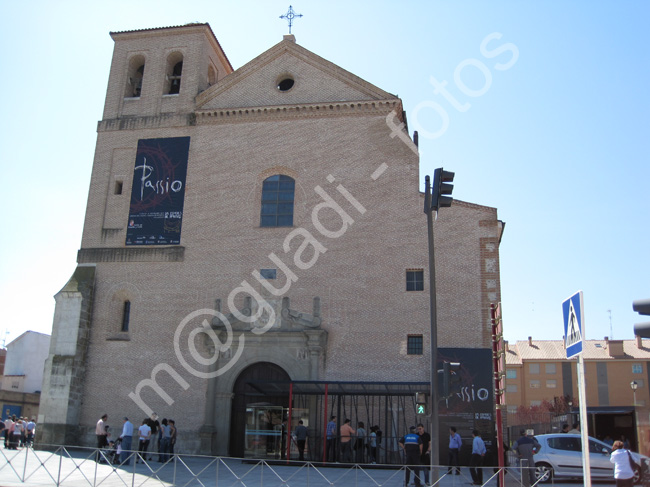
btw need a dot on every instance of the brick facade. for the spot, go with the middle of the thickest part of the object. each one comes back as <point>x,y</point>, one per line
<point>330,134</point>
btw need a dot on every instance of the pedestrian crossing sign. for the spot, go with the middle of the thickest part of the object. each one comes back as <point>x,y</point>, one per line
<point>574,328</point>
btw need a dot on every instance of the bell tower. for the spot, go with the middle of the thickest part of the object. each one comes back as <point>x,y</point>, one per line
<point>159,72</point>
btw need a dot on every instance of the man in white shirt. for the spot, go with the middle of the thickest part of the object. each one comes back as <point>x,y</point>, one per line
<point>145,436</point>
<point>455,444</point>
<point>100,432</point>
<point>127,439</point>
<point>478,454</point>
<point>31,431</point>
<point>9,427</point>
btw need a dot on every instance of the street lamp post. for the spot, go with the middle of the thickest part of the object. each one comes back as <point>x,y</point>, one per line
<point>435,197</point>
<point>634,385</point>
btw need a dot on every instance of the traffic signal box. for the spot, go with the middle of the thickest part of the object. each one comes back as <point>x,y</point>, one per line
<point>420,403</point>
<point>642,306</point>
<point>441,187</point>
<point>450,377</point>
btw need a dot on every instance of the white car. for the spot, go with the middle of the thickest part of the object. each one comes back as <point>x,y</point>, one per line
<point>561,456</point>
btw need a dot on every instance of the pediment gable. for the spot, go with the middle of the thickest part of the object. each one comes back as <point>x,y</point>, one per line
<point>315,80</point>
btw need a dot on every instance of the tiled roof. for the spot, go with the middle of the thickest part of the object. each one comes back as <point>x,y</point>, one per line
<point>553,350</point>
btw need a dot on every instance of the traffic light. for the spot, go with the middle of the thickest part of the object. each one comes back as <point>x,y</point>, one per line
<point>420,403</point>
<point>442,186</point>
<point>642,306</point>
<point>450,377</point>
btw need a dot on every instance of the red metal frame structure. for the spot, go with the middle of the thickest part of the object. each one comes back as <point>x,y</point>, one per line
<point>499,361</point>
<point>390,405</point>
<point>324,425</point>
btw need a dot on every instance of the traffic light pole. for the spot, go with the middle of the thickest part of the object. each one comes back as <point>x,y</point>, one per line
<point>435,449</point>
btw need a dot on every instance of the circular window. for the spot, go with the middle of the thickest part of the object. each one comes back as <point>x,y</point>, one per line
<point>285,84</point>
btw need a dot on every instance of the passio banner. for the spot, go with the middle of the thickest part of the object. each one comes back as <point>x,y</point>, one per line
<point>158,192</point>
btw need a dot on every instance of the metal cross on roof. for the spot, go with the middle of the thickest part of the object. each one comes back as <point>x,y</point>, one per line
<point>290,15</point>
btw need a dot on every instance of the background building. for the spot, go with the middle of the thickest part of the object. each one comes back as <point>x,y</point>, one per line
<point>22,379</point>
<point>538,375</point>
<point>256,233</point>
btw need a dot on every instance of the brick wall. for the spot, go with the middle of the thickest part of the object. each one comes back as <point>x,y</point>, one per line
<point>360,279</point>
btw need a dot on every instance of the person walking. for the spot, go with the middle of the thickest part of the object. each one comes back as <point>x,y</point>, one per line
<point>145,436</point>
<point>331,440</point>
<point>346,433</point>
<point>622,461</point>
<point>283,439</point>
<point>425,457</point>
<point>16,433</point>
<point>455,443</point>
<point>31,431</point>
<point>100,432</point>
<point>373,444</point>
<point>412,446</point>
<point>478,453</point>
<point>301,439</point>
<point>154,424</point>
<point>527,446</point>
<point>23,433</point>
<point>360,443</point>
<point>9,427</point>
<point>127,440</point>
<point>174,432</point>
<point>165,440</point>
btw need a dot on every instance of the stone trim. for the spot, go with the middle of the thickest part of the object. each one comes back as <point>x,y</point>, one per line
<point>131,254</point>
<point>119,337</point>
<point>165,120</point>
<point>311,110</point>
<point>258,114</point>
<point>305,56</point>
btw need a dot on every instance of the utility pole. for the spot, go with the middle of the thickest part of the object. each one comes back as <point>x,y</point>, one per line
<point>433,200</point>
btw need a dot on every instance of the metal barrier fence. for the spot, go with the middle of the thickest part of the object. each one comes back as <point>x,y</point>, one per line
<point>80,467</point>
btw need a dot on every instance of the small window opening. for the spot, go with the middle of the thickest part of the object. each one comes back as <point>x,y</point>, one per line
<point>126,315</point>
<point>415,280</point>
<point>414,344</point>
<point>175,79</point>
<point>268,273</point>
<point>118,187</point>
<point>286,84</point>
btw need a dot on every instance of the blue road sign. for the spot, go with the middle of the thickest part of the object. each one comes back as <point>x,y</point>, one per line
<point>574,329</point>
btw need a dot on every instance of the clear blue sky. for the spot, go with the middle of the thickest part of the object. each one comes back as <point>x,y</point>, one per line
<point>558,142</point>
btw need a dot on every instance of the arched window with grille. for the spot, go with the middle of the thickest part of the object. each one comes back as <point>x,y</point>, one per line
<point>277,201</point>
<point>174,73</point>
<point>134,77</point>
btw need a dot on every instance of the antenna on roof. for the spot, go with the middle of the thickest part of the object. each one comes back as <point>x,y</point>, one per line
<point>4,339</point>
<point>611,331</point>
<point>290,15</point>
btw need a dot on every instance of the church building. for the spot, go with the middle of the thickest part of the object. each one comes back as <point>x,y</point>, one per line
<point>255,250</point>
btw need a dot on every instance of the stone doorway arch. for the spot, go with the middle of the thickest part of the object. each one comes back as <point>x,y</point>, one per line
<point>244,395</point>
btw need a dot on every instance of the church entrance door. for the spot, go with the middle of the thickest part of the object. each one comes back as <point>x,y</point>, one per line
<point>256,422</point>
